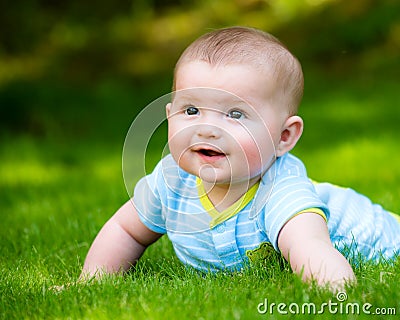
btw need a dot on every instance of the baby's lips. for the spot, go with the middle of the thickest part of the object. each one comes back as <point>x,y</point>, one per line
<point>210,153</point>
<point>208,149</point>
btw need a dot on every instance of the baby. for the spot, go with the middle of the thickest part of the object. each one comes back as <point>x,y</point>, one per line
<point>230,191</point>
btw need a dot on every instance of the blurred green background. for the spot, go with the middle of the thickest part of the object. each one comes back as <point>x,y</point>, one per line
<point>80,68</point>
<point>74,74</point>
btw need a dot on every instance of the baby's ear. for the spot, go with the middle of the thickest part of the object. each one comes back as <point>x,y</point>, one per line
<point>168,109</point>
<point>290,134</point>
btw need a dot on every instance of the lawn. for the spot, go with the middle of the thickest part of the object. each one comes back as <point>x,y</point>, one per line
<point>60,180</point>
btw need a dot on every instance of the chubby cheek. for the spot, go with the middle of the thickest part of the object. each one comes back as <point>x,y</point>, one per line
<point>175,144</point>
<point>178,142</point>
<point>257,155</point>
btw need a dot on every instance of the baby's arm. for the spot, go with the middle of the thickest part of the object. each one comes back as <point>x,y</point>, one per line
<point>304,241</point>
<point>119,244</point>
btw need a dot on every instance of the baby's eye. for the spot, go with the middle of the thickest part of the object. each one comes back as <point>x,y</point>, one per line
<point>235,114</point>
<point>191,111</point>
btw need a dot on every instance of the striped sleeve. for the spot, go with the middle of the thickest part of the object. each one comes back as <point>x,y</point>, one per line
<point>292,192</point>
<point>148,202</point>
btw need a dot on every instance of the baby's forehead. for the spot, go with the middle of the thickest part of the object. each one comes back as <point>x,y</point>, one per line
<point>265,77</point>
<point>208,95</point>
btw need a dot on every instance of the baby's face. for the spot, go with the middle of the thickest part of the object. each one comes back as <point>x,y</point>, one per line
<point>223,125</point>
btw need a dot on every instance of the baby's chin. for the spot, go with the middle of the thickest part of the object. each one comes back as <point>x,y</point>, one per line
<point>210,176</point>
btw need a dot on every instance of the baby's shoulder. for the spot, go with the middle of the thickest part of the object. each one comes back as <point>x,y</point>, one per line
<point>289,165</point>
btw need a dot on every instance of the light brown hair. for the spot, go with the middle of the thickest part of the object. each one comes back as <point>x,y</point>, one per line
<point>242,45</point>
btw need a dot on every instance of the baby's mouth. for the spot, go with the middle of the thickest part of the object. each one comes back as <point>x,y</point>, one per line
<point>210,153</point>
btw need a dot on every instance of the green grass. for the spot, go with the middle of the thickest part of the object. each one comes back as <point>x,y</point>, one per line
<point>58,188</point>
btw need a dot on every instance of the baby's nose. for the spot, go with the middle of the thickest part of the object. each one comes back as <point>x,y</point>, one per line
<point>208,131</point>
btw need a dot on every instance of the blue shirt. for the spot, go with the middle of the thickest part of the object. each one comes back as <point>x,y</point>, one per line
<point>167,201</point>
